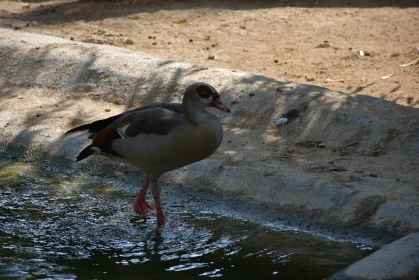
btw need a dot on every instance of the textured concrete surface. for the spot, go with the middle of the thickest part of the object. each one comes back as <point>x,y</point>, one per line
<point>397,260</point>
<point>345,163</point>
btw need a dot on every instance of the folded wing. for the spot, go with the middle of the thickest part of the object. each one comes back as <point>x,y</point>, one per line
<point>151,120</point>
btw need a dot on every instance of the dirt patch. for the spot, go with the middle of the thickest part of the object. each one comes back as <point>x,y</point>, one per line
<point>315,42</point>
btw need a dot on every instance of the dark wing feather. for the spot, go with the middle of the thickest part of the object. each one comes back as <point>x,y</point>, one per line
<point>150,121</point>
<point>175,107</point>
<point>95,126</point>
<point>86,152</point>
<point>98,125</point>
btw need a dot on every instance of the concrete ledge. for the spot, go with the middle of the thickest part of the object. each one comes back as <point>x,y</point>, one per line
<point>397,260</point>
<point>365,179</point>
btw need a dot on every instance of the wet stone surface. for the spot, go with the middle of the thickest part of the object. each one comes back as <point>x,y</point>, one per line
<point>61,227</point>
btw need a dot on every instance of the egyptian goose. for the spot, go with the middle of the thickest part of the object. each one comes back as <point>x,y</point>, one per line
<point>159,138</point>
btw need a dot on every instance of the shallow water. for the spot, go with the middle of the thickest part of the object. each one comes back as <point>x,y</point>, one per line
<point>55,227</point>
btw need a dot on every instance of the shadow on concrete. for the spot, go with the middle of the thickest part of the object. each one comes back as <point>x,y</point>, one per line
<point>65,11</point>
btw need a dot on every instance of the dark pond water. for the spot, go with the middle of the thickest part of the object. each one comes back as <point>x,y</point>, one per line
<point>54,227</point>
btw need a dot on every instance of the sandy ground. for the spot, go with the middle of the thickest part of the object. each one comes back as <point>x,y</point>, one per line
<point>315,42</point>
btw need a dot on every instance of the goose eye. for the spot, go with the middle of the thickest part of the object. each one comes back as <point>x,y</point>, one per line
<point>204,93</point>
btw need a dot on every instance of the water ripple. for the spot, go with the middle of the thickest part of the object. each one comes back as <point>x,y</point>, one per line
<point>54,227</point>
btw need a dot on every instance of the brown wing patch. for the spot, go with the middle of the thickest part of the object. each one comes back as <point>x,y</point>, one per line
<point>104,137</point>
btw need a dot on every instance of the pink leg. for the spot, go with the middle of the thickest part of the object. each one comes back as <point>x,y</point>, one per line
<point>140,205</point>
<point>156,194</point>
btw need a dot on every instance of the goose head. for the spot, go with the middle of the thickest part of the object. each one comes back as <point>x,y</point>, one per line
<point>201,95</point>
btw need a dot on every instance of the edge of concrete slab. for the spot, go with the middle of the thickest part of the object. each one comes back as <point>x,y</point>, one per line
<point>397,260</point>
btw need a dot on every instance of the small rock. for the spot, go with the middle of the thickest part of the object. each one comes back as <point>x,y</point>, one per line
<point>409,100</point>
<point>154,43</point>
<point>229,141</point>
<point>72,38</point>
<point>325,44</point>
<point>180,21</point>
<point>364,53</point>
<point>321,145</point>
<point>37,115</point>
<point>107,110</point>
<point>281,122</point>
<point>129,42</point>
<point>211,57</point>
<point>373,175</point>
<point>268,174</point>
<point>207,38</point>
<point>276,61</point>
<point>191,40</point>
<point>251,94</point>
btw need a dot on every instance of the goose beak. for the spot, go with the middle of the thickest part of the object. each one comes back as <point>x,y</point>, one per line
<point>219,105</point>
